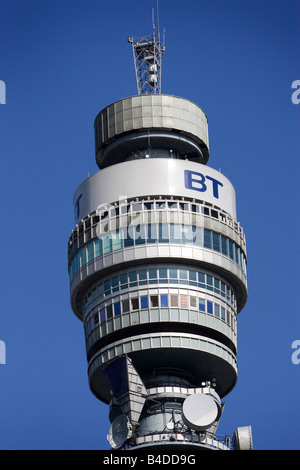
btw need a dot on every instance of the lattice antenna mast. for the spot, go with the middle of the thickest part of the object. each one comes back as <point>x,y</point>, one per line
<point>147,57</point>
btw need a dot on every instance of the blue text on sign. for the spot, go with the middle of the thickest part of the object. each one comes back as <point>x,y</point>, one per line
<point>198,182</point>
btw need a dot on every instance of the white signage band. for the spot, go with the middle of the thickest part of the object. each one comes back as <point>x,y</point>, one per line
<point>154,177</point>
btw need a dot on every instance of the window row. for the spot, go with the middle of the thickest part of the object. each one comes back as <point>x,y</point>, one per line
<point>163,301</point>
<point>158,275</point>
<point>147,205</point>
<point>157,233</point>
<point>158,204</point>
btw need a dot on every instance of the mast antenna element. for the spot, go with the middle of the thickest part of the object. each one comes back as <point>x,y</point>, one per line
<point>147,54</point>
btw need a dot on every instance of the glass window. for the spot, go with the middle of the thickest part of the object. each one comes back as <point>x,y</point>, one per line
<point>193,301</point>
<point>152,273</point>
<point>142,274</point>
<point>102,315</point>
<point>90,251</point>
<point>133,278</point>
<point>223,313</point>
<point>192,277</point>
<point>201,279</point>
<point>216,285</point>
<point>117,309</point>
<point>172,205</point>
<point>144,301</point>
<point>107,245</point>
<point>198,236</point>
<point>125,209</point>
<point>174,300</point>
<point>98,247</point>
<point>117,240</point>
<point>228,293</point>
<point>115,284</point>
<point>142,277</point>
<point>109,311</point>
<point>83,256</point>
<point>173,273</point>
<point>175,233</point>
<point>223,289</point>
<point>216,241</point>
<point>114,211</point>
<point>183,301</point>
<point>148,206</point>
<point>134,303</point>
<point>209,282</point>
<point>202,305</point>
<point>163,275</point>
<point>237,254</point>
<point>73,267</point>
<point>137,207</point>
<point>207,239</point>
<point>186,231</point>
<point>107,289</point>
<point>123,281</point>
<point>183,206</point>
<point>160,204</point>
<point>140,234</point>
<point>96,319</point>
<point>163,233</point>
<point>224,245</point>
<point>231,255</point>
<point>154,300</point>
<point>152,233</point>
<point>217,311</point>
<point>104,214</point>
<point>125,305</point>
<point>164,300</point>
<point>128,238</point>
<point>100,290</point>
<point>209,307</point>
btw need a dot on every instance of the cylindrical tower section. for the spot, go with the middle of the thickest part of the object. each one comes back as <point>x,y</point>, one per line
<point>151,126</point>
<point>157,265</point>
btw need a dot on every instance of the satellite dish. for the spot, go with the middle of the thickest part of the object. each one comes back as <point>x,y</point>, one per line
<point>200,411</point>
<point>119,432</point>
<point>243,438</point>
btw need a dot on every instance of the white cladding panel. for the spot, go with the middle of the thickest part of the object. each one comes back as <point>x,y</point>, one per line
<point>154,177</point>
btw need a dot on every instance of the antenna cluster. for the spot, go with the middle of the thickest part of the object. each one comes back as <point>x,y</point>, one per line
<point>147,57</point>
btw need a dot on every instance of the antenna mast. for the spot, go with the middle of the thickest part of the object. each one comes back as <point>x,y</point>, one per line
<point>147,57</point>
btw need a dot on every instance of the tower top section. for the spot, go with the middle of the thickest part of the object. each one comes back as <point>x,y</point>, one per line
<point>147,58</point>
<point>151,126</point>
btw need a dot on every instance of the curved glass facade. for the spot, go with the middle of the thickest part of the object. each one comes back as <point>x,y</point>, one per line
<point>157,233</point>
<point>163,293</point>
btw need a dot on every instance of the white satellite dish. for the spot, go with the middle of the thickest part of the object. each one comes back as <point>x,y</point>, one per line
<point>243,438</point>
<point>200,411</point>
<point>119,432</point>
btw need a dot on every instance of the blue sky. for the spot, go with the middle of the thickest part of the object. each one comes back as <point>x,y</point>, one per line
<point>64,60</point>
